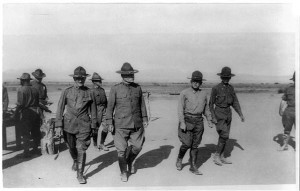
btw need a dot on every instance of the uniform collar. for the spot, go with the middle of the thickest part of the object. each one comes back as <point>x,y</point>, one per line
<point>196,91</point>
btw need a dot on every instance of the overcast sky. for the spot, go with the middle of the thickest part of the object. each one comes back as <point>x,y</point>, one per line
<point>165,42</point>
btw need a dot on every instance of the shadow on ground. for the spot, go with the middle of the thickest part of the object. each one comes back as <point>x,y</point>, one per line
<point>231,143</point>
<point>104,161</point>
<point>153,158</point>
<point>280,137</point>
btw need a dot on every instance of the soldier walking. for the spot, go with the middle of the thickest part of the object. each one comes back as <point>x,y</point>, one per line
<point>75,124</point>
<point>288,116</point>
<point>126,117</point>
<point>193,103</point>
<point>28,113</point>
<point>222,97</point>
<point>101,104</point>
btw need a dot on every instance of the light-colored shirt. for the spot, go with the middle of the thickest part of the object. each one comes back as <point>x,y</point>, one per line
<point>193,103</point>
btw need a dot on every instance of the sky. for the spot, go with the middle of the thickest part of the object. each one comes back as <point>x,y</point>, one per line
<point>165,42</point>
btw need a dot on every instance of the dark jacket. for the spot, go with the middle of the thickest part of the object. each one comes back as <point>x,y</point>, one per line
<point>101,103</point>
<point>126,105</point>
<point>289,95</point>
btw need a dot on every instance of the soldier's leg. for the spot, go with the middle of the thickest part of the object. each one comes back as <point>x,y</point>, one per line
<point>136,140</point>
<point>186,143</point>
<point>288,120</point>
<point>221,141</point>
<point>35,130</point>
<point>70,140</point>
<point>83,141</point>
<point>197,137</point>
<point>225,137</point>
<point>120,139</point>
<point>103,136</point>
<point>25,133</point>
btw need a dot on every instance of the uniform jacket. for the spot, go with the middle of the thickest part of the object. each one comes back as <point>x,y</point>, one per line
<point>42,89</point>
<point>101,102</point>
<point>289,95</point>
<point>80,115</point>
<point>223,96</point>
<point>193,103</point>
<point>126,105</point>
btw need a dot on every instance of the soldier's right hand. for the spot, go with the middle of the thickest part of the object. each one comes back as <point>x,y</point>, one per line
<point>182,126</point>
<point>58,132</point>
<point>111,128</point>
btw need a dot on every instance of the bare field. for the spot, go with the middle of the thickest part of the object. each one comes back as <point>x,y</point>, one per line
<point>252,148</point>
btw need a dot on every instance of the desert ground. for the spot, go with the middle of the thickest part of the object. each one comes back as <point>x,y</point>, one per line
<point>253,149</point>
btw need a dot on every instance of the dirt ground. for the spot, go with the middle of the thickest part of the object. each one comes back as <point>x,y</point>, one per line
<point>253,149</point>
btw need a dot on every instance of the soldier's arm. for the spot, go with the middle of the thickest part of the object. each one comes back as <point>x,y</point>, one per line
<point>181,107</point>
<point>93,110</point>
<point>111,106</point>
<point>207,112</point>
<point>143,107</point>
<point>236,105</point>
<point>212,101</point>
<point>60,109</point>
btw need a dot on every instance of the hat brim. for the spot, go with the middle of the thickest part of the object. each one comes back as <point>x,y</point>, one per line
<point>292,79</point>
<point>231,75</point>
<point>37,76</point>
<point>127,72</point>
<point>78,76</point>
<point>96,79</point>
<point>197,79</point>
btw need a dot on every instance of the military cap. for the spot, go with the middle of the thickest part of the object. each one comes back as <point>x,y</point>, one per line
<point>96,77</point>
<point>38,73</point>
<point>127,69</point>
<point>25,76</point>
<point>226,72</point>
<point>79,72</point>
<point>197,76</point>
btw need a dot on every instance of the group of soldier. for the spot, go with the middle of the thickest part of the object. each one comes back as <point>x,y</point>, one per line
<point>81,111</point>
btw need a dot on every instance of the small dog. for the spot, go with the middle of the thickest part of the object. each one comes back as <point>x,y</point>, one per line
<point>47,133</point>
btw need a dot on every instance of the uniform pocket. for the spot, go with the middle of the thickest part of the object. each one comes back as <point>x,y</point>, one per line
<point>121,96</point>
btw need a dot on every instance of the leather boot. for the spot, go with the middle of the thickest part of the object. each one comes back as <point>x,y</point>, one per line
<point>217,159</point>
<point>224,160</point>
<point>130,159</point>
<point>193,168</point>
<point>103,137</point>
<point>74,166</point>
<point>182,151</point>
<point>285,146</point>
<point>123,167</point>
<point>80,167</point>
<point>179,164</point>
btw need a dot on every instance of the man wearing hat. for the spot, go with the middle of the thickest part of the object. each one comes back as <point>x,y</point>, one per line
<point>288,116</point>
<point>222,97</point>
<point>27,113</point>
<point>192,105</point>
<point>101,104</point>
<point>76,123</point>
<point>126,116</point>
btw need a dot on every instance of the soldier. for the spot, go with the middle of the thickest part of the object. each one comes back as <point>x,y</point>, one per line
<point>28,113</point>
<point>222,97</point>
<point>288,116</point>
<point>75,125</point>
<point>5,99</point>
<point>101,104</point>
<point>127,103</point>
<point>193,102</point>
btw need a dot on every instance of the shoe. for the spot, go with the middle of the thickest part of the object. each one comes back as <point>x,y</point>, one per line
<point>179,164</point>
<point>217,159</point>
<point>80,178</point>
<point>124,177</point>
<point>103,147</point>
<point>193,159</point>
<point>224,160</point>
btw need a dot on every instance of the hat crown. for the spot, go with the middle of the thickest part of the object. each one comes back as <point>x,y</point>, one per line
<point>38,73</point>
<point>126,67</point>
<point>25,76</point>
<point>197,75</point>
<point>96,76</point>
<point>79,71</point>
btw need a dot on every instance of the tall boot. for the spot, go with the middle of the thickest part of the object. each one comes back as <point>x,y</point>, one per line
<point>285,146</point>
<point>74,155</point>
<point>123,168</point>
<point>222,158</point>
<point>74,166</point>
<point>95,137</point>
<point>181,154</point>
<point>130,159</point>
<point>103,137</point>
<point>217,159</point>
<point>80,167</point>
<point>193,168</point>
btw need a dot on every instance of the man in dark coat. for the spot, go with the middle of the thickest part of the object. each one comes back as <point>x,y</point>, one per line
<point>126,116</point>
<point>222,97</point>
<point>28,114</point>
<point>75,124</point>
<point>288,116</point>
<point>192,105</point>
<point>101,104</point>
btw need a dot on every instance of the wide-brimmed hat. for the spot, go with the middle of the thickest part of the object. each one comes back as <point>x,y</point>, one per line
<point>197,76</point>
<point>127,69</point>
<point>25,76</point>
<point>79,72</point>
<point>38,73</point>
<point>293,78</point>
<point>96,77</point>
<point>226,72</point>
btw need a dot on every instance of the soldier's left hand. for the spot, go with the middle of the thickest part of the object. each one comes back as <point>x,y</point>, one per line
<point>242,118</point>
<point>145,124</point>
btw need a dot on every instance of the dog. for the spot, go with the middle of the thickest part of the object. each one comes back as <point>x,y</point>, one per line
<point>47,133</point>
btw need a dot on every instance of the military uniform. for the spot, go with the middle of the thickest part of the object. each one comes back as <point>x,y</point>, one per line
<point>28,114</point>
<point>126,111</point>
<point>42,89</point>
<point>5,99</point>
<point>77,121</point>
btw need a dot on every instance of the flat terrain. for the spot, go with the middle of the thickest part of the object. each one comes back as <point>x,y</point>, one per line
<point>252,148</point>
